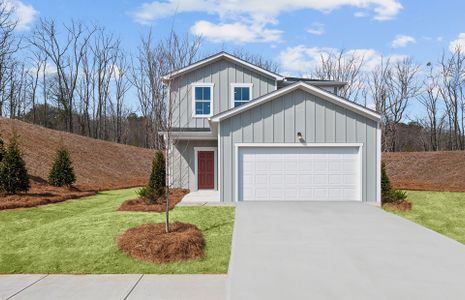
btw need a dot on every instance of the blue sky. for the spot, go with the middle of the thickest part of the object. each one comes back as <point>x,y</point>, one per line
<point>290,32</point>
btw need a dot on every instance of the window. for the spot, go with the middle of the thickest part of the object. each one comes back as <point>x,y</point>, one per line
<point>202,100</point>
<point>241,93</point>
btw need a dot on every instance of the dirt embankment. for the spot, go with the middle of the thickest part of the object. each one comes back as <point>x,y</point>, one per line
<point>429,171</point>
<point>99,165</point>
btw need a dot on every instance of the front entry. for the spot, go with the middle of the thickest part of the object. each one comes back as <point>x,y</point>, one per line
<point>206,170</point>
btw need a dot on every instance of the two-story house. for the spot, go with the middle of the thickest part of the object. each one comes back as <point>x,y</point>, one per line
<point>253,134</point>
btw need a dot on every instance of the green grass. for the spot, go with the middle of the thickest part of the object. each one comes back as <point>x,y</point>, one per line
<point>79,236</point>
<point>443,212</point>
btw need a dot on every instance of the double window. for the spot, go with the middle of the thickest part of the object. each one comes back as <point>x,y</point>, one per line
<point>202,100</point>
<point>241,93</point>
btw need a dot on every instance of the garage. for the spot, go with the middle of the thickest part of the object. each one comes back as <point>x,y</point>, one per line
<point>299,143</point>
<point>299,172</point>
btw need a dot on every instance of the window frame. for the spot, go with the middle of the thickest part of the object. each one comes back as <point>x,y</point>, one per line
<point>241,85</point>
<point>202,84</point>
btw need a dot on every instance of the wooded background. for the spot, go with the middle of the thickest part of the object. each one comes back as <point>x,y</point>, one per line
<point>78,78</point>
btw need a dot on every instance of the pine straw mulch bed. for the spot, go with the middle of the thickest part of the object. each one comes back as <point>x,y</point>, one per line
<point>150,242</point>
<point>41,194</point>
<point>402,206</point>
<point>141,204</point>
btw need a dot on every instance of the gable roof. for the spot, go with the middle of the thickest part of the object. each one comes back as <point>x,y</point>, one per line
<point>359,109</point>
<point>217,57</point>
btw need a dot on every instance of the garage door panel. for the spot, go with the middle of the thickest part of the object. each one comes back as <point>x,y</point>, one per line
<point>299,173</point>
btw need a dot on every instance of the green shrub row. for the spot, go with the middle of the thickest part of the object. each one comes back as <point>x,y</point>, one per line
<point>13,173</point>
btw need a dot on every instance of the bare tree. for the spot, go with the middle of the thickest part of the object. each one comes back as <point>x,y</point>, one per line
<point>122,85</point>
<point>452,70</point>
<point>9,45</point>
<point>430,99</point>
<point>66,58</point>
<point>153,62</point>
<point>345,67</point>
<point>257,60</point>
<point>392,86</point>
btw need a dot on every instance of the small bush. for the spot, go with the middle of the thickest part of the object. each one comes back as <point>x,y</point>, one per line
<point>13,173</point>
<point>62,171</point>
<point>388,194</point>
<point>394,196</point>
<point>385,182</point>
<point>157,181</point>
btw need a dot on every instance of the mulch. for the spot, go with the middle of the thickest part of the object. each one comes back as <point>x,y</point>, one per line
<point>41,194</point>
<point>402,206</point>
<point>141,204</point>
<point>151,243</point>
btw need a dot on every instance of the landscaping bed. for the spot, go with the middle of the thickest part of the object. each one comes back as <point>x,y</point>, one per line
<point>141,204</point>
<point>41,194</point>
<point>404,205</point>
<point>150,242</point>
<point>80,237</point>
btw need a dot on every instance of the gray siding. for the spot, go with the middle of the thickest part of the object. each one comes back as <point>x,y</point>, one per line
<point>182,164</point>
<point>279,120</point>
<point>222,73</point>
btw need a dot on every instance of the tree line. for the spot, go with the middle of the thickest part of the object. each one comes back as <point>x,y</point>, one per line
<point>77,77</point>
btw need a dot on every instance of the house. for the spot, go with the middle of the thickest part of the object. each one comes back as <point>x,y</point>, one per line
<point>252,134</point>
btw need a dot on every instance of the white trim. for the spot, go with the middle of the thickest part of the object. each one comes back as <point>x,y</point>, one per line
<point>290,145</point>
<point>304,86</point>
<point>193,135</point>
<point>202,84</point>
<point>219,176</point>
<point>217,57</point>
<point>215,155</point>
<point>378,164</point>
<point>234,85</point>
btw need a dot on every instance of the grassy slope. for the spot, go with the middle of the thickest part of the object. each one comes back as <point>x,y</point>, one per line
<point>443,212</point>
<point>79,236</point>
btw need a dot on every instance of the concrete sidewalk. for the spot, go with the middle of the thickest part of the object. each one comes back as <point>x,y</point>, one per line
<point>318,250</point>
<point>90,287</point>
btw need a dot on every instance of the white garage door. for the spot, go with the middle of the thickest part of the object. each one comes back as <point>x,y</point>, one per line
<point>299,173</point>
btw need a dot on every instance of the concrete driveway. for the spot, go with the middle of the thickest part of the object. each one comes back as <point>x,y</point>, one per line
<point>315,250</point>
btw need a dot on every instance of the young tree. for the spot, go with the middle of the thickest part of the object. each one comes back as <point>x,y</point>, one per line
<point>158,176</point>
<point>385,182</point>
<point>13,173</point>
<point>62,171</point>
<point>157,181</point>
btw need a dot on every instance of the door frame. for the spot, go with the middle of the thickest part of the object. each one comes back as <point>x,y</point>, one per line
<point>196,165</point>
<point>237,146</point>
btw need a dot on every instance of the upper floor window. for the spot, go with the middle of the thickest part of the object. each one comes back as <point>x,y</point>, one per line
<point>241,93</point>
<point>202,100</point>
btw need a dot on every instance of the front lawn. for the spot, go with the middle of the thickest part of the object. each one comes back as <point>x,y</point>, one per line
<point>443,212</point>
<point>79,236</point>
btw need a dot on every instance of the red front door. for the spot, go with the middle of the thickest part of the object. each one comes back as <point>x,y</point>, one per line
<point>206,169</point>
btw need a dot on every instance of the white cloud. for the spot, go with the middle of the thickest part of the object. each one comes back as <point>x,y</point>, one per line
<point>402,41</point>
<point>301,60</point>
<point>148,12</point>
<point>316,29</point>
<point>24,13</point>
<point>254,17</point>
<point>236,32</point>
<point>458,43</point>
<point>360,14</point>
